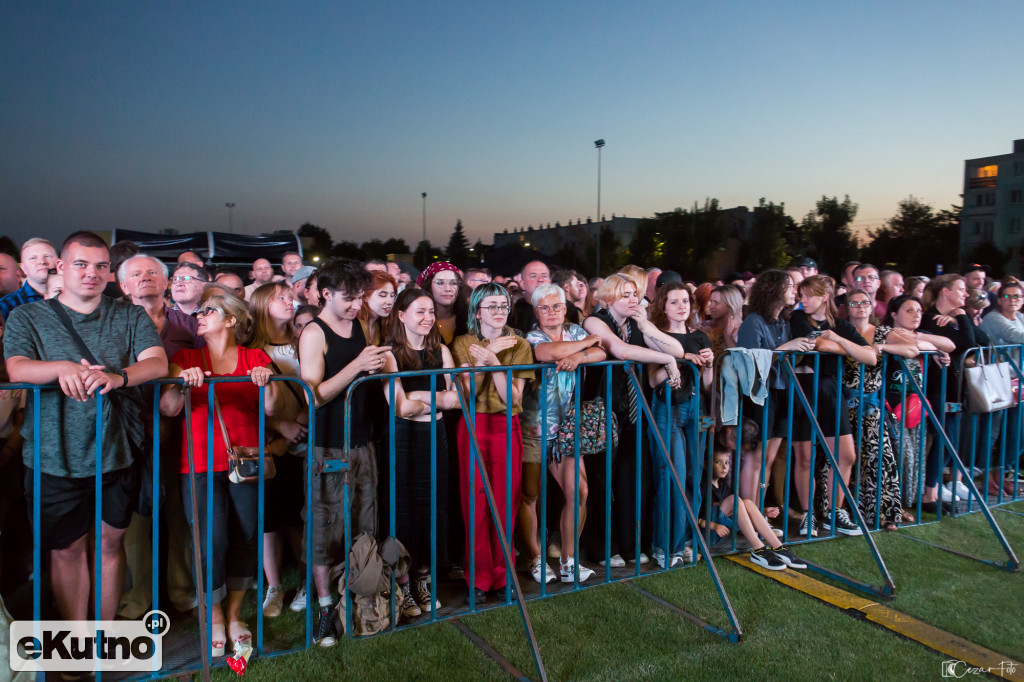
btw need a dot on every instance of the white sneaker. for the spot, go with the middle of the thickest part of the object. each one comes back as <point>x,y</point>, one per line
<point>569,569</point>
<point>423,593</point>
<point>946,494</point>
<point>659,558</point>
<point>616,561</point>
<point>274,602</point>
<point>643,559</point>
<point>299,600</point>
<point>962,490</point>
<point>540,570</point>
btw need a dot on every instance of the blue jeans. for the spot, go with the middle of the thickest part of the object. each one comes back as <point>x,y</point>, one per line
<point>670,523</point>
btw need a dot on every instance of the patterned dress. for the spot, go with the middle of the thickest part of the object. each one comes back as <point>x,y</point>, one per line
<point>878,465</point>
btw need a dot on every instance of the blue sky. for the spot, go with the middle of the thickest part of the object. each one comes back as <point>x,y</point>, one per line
<point>150,115</point>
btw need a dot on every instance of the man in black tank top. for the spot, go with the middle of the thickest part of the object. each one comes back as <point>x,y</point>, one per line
<point>332,354</point>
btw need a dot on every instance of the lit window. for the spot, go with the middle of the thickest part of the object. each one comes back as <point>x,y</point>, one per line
<point>988,171</point>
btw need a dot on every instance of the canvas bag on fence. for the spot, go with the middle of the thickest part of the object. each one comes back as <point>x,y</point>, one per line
<point>371,567</point>
<point>989,386</point>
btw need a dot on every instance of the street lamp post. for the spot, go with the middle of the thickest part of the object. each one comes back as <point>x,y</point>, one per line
<point>424,242</point>
<point>230,206</point>
<point>597,269</point>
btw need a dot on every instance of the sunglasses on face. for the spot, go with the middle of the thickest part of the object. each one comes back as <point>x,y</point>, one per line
<point>206,311</point>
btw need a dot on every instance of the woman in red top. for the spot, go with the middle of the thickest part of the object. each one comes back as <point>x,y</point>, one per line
<point>224,323</point>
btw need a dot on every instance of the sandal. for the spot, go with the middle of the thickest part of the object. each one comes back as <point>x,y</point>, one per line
<point>891,526</point>
<point>245,636</point>
<point>217,641</point>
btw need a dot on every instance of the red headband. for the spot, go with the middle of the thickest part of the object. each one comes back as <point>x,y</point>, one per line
<point>433,269</point>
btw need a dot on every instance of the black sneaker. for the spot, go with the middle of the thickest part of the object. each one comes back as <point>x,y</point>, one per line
<point>788,557</point>
<point>767,558</point>
<point>326,635</point>
<point>808,518</point>
<point>844,524</point>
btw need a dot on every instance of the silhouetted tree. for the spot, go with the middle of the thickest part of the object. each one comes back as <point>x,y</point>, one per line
<point>988,253</point>
<point>322,241</point>
<point>347,249</point>
<point>426,254</point>
<point>766,246</point>
<point>916,239</point>
<point>396,246</point>
<point>830,239</point>
<point>458,246</point>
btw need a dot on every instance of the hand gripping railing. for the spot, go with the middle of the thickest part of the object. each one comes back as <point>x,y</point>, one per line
<point>1012,563</point>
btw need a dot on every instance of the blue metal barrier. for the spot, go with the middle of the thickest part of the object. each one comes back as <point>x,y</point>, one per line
<point>1010,446</point>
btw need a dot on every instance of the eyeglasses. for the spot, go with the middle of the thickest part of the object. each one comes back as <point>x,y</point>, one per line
<point>187,278</point>
<point>1013,297</point>
<point>446,283</point>
<point>867,278</point>
<point>859,304</point>
<point>496,308</point>
<point>556,308</point>
<point>206,311</point>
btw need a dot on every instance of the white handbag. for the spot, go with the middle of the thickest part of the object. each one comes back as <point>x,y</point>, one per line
<point>989,386</point>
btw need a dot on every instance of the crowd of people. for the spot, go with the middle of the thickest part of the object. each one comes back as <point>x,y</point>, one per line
<point>106,320</point>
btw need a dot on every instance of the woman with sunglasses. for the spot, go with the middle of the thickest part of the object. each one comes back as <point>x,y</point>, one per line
<point>224,324</point>
<point>491,343</point>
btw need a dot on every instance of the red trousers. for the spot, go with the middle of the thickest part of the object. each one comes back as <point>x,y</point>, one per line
<point>486,551</point>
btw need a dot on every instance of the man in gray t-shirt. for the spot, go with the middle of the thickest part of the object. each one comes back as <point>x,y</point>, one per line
<point>39,349</point>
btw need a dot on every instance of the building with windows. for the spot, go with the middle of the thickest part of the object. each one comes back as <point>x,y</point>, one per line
<point>994,204</point>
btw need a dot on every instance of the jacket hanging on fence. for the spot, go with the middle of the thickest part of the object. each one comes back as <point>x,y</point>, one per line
<point>745,371</point>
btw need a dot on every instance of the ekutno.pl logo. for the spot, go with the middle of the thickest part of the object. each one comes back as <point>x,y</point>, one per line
<point>84,645</point>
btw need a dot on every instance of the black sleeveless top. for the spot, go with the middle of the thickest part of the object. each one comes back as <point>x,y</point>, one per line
<point>330,418</point>
<point>422,383</point>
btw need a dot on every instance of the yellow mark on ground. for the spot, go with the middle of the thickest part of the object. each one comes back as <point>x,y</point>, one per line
<point>975,658</point>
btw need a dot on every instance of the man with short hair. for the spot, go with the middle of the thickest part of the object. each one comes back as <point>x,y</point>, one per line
<point>376,264</point>
<point>477,276</point>
<point>191,257</point>
<point>290,263</point>
<point>10,275</point>
<point>231,281</point>
<point>891,286</point>
<point>187,284</point>
<point>333,353</point>
<point>974,277</point>
<point>531,276</point>
<point>40,349</point>
<point>568,281</point>
<point>848,274</point>
<point>262,272</point>
<point>37,257</point>
<point>652,282</point>
<point>143,279</point>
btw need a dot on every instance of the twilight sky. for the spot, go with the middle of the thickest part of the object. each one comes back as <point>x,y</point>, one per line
<point>151,115</point>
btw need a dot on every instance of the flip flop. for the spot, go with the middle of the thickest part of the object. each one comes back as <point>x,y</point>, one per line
<point>218,637</point>
<point>245,637</point>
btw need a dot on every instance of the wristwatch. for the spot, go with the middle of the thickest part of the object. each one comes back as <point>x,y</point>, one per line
<point>124,378</point>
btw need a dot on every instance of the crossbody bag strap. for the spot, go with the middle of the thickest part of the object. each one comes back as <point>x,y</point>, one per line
<point>216,403</point>
<point>65,319</point>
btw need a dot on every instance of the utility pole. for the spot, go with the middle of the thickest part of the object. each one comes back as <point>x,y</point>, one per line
<point>230,205</point>
<point>600,223</point>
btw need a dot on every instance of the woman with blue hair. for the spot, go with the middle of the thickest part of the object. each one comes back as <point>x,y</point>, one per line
<point>495,418</point>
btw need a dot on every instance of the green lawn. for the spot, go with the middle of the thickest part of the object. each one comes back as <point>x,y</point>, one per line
<point>615,633</point>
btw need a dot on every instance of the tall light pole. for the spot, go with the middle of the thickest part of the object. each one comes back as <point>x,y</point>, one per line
<point>230,206</point>
<point>425,253</point>
<point>597,269</point>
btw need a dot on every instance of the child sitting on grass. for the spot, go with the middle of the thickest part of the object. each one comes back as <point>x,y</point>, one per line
<point>773,556</point>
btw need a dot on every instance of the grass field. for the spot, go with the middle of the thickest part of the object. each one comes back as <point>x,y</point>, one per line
<point>616,633</point>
